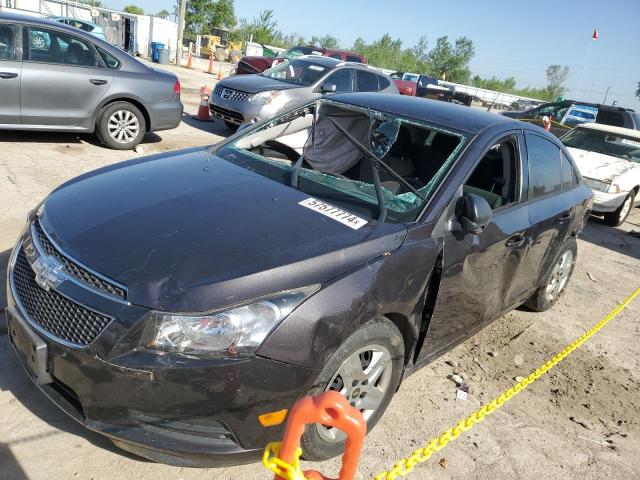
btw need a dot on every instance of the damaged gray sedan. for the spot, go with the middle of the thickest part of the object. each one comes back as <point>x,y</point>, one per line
<point>173,301</point>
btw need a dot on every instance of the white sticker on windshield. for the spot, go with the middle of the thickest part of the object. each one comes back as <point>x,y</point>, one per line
<point>316,68</point>
<point>342,216</point>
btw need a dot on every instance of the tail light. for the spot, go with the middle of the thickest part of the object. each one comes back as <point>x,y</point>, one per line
<point>176,88</point>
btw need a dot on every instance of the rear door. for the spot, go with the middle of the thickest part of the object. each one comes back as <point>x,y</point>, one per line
<point>551,207</point>
<point>63,78</point>
<point>10,72</point>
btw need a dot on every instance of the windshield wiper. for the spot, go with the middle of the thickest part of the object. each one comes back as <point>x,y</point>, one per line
<point>371,156</point>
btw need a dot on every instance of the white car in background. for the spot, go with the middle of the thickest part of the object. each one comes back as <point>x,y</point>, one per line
<point>609,160</point>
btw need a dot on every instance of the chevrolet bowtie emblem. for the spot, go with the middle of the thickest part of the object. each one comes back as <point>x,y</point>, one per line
<point>48,272</point>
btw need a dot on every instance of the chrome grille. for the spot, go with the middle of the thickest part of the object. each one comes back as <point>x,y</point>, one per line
<point>230,94</point>
<point>76,270</point>
<point>54,313</point>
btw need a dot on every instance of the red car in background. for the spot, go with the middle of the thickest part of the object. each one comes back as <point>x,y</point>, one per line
<point>405,87</point>
<point>258,64</point>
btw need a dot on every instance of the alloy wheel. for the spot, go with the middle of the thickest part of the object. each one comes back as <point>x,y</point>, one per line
<point>364,378</point>
<point>123,126</point>
<point>626,207</point>
<point>559,276</point>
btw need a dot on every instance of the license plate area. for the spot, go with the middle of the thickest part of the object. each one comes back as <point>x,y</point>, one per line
<point>30,347</point>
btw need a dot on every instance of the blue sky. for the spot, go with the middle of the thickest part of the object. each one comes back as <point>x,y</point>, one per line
<point>518,38</point>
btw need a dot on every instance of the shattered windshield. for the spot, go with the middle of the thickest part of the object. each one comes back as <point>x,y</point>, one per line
<point>300,72</point>
<point>374,164</point>
<point>620,146</point>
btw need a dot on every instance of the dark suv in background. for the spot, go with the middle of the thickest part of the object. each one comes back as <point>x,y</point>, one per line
<point>566,114</point>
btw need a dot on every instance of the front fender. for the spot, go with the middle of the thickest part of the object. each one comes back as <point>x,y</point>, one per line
<point>392,285</point>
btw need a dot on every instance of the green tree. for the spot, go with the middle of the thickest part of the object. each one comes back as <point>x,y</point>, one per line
<point>556,76</point>
<point>508,85</point>
<point>451,61</point>
<point>203,15</point>
<point>91,3</point>
<point>163,14</point>
<point>133,9</point>
<point>325,41</point>
<point>388,53</point>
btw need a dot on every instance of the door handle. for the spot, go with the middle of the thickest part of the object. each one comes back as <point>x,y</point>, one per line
<point>98,81</point>
<point>515,241</point>
<point>8,75</point>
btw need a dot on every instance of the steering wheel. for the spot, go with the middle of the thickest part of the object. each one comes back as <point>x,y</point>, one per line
<point>289,152</point>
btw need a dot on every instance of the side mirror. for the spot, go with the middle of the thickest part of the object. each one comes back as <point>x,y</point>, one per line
<point>328,88</point>
<point>475,213</point>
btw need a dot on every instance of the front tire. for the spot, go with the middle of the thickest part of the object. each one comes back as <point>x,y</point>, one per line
<point>121,126</point>
<point>555,281</point>
<point>367,369</point>
<point>617,218</point>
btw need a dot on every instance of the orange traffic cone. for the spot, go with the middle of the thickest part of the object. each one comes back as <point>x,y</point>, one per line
<point>203,110</point>
<point>210,70</point>
<point>190,61</point>
<point>220,73</point>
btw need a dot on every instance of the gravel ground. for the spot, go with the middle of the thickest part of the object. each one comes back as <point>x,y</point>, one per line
<point>580,421</point>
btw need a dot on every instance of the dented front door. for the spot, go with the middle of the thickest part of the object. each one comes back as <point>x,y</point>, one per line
<point>481,276</point>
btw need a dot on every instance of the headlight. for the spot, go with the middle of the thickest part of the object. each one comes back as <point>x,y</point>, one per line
<point>597,184</point>
<point>230,331</point>
<point>265,98</point>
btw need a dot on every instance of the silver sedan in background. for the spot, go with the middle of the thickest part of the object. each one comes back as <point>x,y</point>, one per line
<point>54,77</point>
<point>249,98</point>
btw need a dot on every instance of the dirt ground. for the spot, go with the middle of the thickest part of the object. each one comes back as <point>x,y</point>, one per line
<point>580,421</point>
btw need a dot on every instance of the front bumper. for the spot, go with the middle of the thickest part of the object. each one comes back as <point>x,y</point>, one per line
<point>607,202</point>
<point>168,408</point>
<point>238,111</point>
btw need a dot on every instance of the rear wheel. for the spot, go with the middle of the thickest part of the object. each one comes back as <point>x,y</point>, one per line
<point>121,126</point>
<point>366,369</point>
<point>618,217</point>
<point>556,280</point>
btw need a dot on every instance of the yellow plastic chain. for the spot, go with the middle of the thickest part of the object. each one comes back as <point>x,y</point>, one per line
<point>283,469</point>
<point>405,466</point>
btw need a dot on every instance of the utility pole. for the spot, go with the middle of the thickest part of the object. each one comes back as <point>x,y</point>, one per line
<point>183,8</point>
<point>604,102</point>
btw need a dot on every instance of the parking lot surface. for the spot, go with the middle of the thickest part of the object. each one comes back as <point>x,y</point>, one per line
<point>582,420</point>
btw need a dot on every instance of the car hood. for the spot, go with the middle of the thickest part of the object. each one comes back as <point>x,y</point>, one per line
<point>600,166</point>
<point>255,83</point>
<point>188,231</point>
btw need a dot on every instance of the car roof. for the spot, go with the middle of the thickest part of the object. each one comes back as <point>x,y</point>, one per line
<point>590,104</point>
<point>17,18</point>
<point>444,114</point>
<point>627,132</point>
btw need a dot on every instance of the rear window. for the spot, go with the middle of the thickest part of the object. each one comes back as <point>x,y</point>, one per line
<point>383,82</point>
<point>611,118</point>
<point>367,82</point>
<point>109,60</point>
<point>545,170</point>
<point>7,41</point>
<point>354,58</point>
